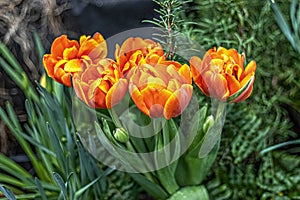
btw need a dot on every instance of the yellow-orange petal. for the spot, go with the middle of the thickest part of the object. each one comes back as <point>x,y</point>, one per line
<point>178,101</point>
<point>116,93</point>
<point>70,53</point>
<point>250,68</point>
<point>49,62</point>
<point>217,85</point>
<point>155,100</point>
<point>233,84</point>
<point>65,79</point>
<point>186,73</point>
<point>138,99</point>
<point>81,89</point>
<point>195,63</point>
<point>60,44</point>
<point>74,65</point>
<point>94,47</point>
<point>98,99</point>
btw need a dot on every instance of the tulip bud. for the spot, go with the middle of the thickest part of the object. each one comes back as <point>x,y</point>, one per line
<point>208,123</point>
<point>121,135</point>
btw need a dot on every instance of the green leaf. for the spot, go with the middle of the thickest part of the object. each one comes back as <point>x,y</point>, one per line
<point>213,134</point>
<point>82,190</point>
<point>39,46</point>
<point>152,188</point>
<point>7,55</point>
<point>9,179</point>
<point>60,182</point>
<point>191,193</point>
<point>41,189</point>
<point>282,23</point>
<point>13,168</point>
<point>7,192</point>
<point>277,146</point>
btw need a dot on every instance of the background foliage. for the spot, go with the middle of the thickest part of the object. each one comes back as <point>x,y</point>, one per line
<point>246,169</point>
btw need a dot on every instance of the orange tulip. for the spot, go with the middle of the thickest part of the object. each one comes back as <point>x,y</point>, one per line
<point>100,85</point>
<point>135,51</point>
<point>221,74</point>
<point>68,56</point>
<point>161,90</point>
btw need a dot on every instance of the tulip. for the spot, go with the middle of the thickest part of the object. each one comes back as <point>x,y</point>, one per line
<point>68,56</point>
<point>135,51</point>
<point>221,74</point>
<point>101,84</point>
<point>161,90</point>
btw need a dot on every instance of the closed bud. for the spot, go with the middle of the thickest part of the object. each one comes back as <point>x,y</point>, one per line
<point>208,123</point>
<point>121,135</point>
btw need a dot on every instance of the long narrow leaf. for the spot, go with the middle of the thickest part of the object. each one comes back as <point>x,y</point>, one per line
<point>7,192</point>
<point>82,190</point>
<point>13,168</point>
<point>7,55</point>
<point>282,23</point>
<point>60,182</point>
<point>41,189</point>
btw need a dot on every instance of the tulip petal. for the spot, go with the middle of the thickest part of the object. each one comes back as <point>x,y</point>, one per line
<point>116,93</point>
<point>98,98</point>
<point>138,99</point>
<point>250,69</point>
<point>66,79</point>
<point>233,84</point>
<point>244,92</point>
<point>70,53</point>
<point>49,62</point>
<point>60,44</point>
<point>73,66</point>
<point>178,101</point>
<point>217,85</point>
<point>81,89</point>
<point>195,63</point>
<point>186,73</point>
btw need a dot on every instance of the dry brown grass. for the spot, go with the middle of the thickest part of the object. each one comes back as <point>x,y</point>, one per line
<point>18,20</point>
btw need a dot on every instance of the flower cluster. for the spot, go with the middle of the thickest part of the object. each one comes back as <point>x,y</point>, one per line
<point>159,87</point>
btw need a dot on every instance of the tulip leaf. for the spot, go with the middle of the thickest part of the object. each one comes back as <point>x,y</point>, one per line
<point>152,188</point>
<point>86,187</point>
<point>59,180</point>
<point>213,135</point>
<point>282,23</point>
<point>40,189</point>
<point>7,192</point>
<point>190,193</point>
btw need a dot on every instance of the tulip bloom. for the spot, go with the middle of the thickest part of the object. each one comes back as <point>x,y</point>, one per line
<point>68,56</point>
<point>100,85</point>
<point>135,51</point>
<point>221,74</point>
<point>161,90</point>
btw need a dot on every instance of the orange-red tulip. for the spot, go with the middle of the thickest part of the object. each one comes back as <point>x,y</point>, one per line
<point>135,51</point>
<point>221,74</point>
<point>101,84</point>
<point>161,90</point>
<point>68,56</point>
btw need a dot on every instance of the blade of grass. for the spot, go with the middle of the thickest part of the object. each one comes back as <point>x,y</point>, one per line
<point>82,190</point>
<point>7,192</point>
